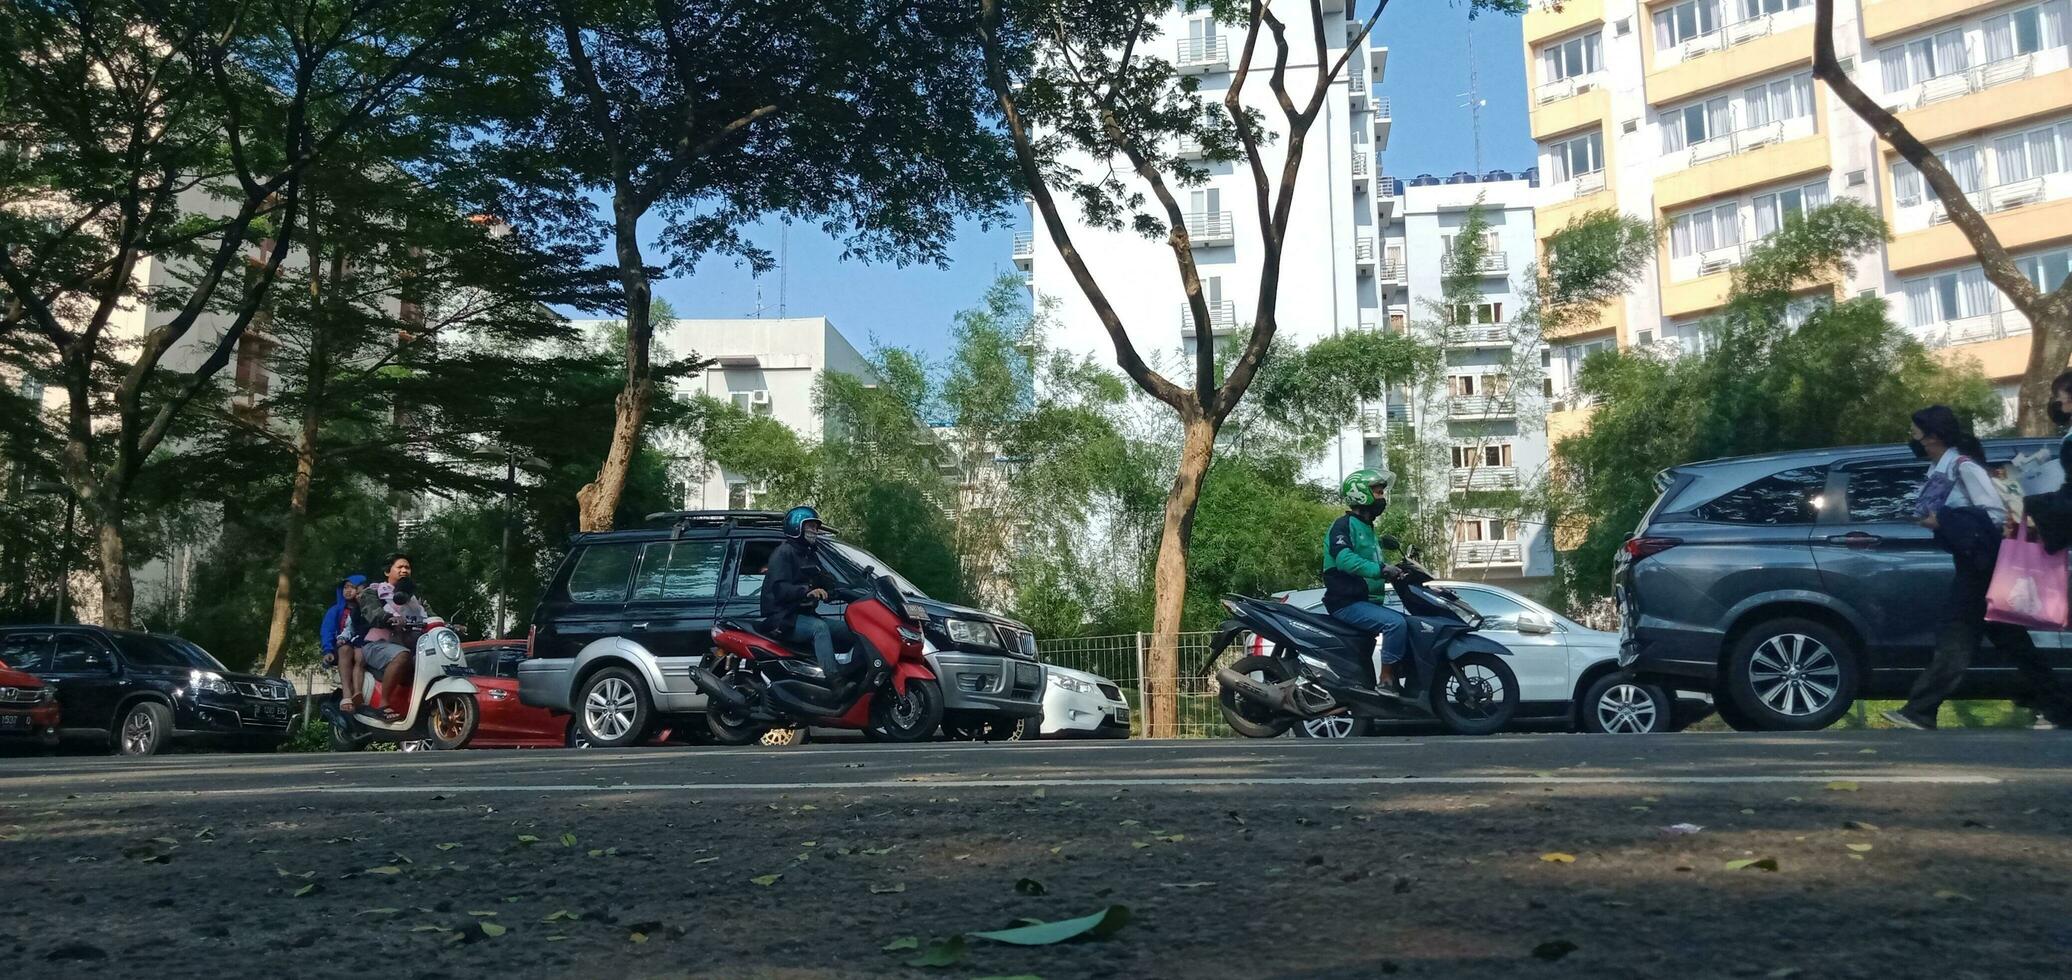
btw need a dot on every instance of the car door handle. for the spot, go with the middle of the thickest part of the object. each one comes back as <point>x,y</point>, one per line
<point>1855,539</point>
<point>495,695</point>
<point>637,627</point>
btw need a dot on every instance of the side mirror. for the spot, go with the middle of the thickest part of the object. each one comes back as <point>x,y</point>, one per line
<point>1534,624</point>
<point>1390,544</point>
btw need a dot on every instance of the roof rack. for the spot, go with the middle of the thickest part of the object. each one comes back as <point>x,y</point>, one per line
<point>682,520</point>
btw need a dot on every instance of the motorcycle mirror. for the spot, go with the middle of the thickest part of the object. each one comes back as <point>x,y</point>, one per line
<point>1390,543</point>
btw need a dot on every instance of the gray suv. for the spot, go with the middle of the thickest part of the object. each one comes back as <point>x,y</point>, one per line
<point>1791,584</point>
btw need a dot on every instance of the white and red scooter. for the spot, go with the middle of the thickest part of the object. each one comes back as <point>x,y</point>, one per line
<point>440,711</point>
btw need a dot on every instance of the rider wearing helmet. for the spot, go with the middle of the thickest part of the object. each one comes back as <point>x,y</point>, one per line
<point>794,586</point>
<point>1355,577</point>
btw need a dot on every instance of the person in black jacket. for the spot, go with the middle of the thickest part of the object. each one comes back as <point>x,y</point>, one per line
<point>2051,513</point>
<point>795,585</point>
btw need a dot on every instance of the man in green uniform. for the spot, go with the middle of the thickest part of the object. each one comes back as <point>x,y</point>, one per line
<point>1355,577</point>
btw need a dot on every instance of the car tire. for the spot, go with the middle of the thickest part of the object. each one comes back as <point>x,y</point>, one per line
<point>613,708</point>
<point>144,730</point>
<point>1779,669</point>
<point>1617,704</point>
<point>575,739</point>
<point>1334,726</point>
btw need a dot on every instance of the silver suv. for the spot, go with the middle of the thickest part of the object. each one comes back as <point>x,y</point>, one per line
<point>1789,585</point>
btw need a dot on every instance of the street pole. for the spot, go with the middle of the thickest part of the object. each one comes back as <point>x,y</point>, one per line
<point>65,559</point>
<point>503,562</point>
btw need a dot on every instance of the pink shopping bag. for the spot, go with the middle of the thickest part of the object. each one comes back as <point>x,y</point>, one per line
<point>2028,587</point>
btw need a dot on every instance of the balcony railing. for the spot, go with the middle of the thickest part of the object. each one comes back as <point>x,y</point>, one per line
<point>1997,325</point>
<point>1363,249</point>
<point>1190,148</point>
<point>1485,478</point>
<point>1958,84</point>
<point>1493,263</point>
<point>1721,259</point>
<point>1362,163</point>
<point>1390,187</point>
<point>1200,54</point>
<point>1569,87</point>
<point>1392,271</point>
<point>1382,108</point>
<point>1480,407</point>
<point>1024,248</point>
<point>1356,82</point>
<point>1485,554</point>
<point>1222,318</point>
<point>1210,230</point>
<point>1392,420</point>
<point>1479,335</point>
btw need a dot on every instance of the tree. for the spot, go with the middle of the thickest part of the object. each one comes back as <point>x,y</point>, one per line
<point>1073,78</point>
<point>1844,375</point>
<point>176,135</point>
<point>862,115</point>
<point>2049,311</point>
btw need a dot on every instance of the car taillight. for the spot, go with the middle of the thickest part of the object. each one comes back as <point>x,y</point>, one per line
<point>1638,548</point>
<point>531,635</point>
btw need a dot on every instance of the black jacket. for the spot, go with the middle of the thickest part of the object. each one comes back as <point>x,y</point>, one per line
<point>2052,511</point>
<point>795,569</point>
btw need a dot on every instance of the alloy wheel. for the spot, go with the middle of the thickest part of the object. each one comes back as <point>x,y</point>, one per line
<point>608,710</point>
<point>1329,726</point>
<point>1626,709</point>
<point>448,719</point>
<point>138,732</point>
<point>1794,674</point>
<point>906,710</point>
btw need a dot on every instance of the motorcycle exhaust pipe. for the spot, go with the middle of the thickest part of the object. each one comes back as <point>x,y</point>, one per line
<point>1272,695</point>
<point>716,689</point>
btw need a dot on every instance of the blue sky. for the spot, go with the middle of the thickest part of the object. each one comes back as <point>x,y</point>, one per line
<point>1426,81</point>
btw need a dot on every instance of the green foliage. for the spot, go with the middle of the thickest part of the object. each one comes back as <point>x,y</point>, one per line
<point>1258,529</point>
<point>1847,375</point>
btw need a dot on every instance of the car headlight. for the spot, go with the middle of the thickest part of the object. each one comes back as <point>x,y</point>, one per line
<point>1073,684</point>
<point>972,632</point>
<point>207,680</point>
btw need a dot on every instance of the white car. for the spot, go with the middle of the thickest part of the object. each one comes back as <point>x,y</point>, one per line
<point>1568,673</point>
<point>1077,704</point>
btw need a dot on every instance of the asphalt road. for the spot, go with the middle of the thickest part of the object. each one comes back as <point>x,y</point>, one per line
<point>1895,854</point>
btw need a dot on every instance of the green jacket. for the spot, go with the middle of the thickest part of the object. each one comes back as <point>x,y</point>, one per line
<point>1352,563</point>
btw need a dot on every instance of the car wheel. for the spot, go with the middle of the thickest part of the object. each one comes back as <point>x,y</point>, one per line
<point>613,708</point>
<point>1616,704</point>
<point>1334,726</point>
<point>1791,675</point>
<point>576,739</point>
<point>143,730</point>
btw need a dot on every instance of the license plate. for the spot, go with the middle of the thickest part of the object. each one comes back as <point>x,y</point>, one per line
<point>1122,715</point>
<point>14,721</point>
<point>273,712</point>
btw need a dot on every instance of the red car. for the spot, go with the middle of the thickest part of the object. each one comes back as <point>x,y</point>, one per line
<point>29,707</point>
<point>506,723</point>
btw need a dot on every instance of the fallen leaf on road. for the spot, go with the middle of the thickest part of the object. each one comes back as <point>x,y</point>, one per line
<point>309,889</point>
<point>637,937</point>
<point>448,846</point>
<point>1558,857</point>
<point>808,808</point>
<point>1127,823</point>
<point>1843,785</point>
<point>386,869</point>
<point>1554,949</point>
<point>1039,794</point>
<point>1866,751</point>
<point>1029,886</point>
<point>483,915</point>
<point>1140,843</point>
<point>896,888</point>
<point>428,927</point>
<point>1747,810</point>
<point>568,840</point>
<point>1761,864</point>
<point>559,914</point>
<point>1859,825</point>
<point>1099,925</point>
<point>1682,828</point>
<point>1952,896</point>
<point>1188,885</point>
<point>902,943</point>
<point>765,880</point>
<point>1859,848</point>
<point>491,929</point>
<point>941,953</point>
<point>304,875</point>
<point>705,860</point>
<point>876,851</point>
<point>527,839</point>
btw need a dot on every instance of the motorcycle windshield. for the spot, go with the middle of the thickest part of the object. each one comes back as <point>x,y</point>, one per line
<point>1421,601</point>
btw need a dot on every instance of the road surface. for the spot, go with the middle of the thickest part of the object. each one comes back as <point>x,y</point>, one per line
<point>1896,854</point>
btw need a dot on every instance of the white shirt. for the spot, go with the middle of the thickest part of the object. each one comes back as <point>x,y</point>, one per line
<point>1970,485</point>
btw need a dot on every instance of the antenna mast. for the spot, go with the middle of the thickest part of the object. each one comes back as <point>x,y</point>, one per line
<point>1474,102</point>
<point>783,263</point>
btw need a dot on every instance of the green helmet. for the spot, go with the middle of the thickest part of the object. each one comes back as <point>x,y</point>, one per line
<point>1358,488</point>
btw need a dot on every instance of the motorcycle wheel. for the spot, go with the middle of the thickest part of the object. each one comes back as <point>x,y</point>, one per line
<point>1485,705</point>
<point>736,727</point>
<point>781,737</point>
<point>1250,718</point>
<point>910,717</point>
<point>450,721</point>
<point>343,738</point>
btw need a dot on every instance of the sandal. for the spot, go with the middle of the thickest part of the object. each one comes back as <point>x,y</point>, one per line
<point>347,705</point>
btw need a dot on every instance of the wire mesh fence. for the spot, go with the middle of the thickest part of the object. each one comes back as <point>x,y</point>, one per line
<point>1120,658</point>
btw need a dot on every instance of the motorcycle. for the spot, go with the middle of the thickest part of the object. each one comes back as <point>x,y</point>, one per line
<point>441,711</point>
<point>885,688</point>
<point>1317,666</point>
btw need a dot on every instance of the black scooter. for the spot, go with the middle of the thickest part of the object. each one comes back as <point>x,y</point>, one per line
<point>1318,666</point>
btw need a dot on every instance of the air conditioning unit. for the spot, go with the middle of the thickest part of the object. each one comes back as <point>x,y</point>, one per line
<point>760,398</point>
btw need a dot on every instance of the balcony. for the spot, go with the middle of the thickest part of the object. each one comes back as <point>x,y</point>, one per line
<point>1957,85</point>
<point>1211,230</point>
<point>1024,249</point>
<point>1480,407</point>
<point>1200,55</point>
<point>1734,35</point>
<point>1382,118</point>
<point>1474,478</point>
<point>1743,49</point>
<point>1566,88</point>
<point>1488,554</point>
<point>1761,157</point>
<point>1363,165</point>
<point>1492,264</point>
<point>1188,148</point>
<point>1479,336</point>
<point>1997,325</point>
<point>1391,421</point>
<point>1222,318</point>
<point>1391,273</point>
<point>1356,84</point>
<point>1363,254</point>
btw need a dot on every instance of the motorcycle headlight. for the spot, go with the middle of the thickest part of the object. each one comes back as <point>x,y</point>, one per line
<point>972,632</point>
<point>207,680</point>
<point>910,635</point>
<point>447,644</point>
<point>1072,684</point>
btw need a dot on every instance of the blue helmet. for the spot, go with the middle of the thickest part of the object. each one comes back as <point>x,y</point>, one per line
<point>795,520</point>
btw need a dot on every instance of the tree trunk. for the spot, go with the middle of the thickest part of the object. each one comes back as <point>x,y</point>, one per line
<point>1169,580</point>
<point>291,559</point>
<point>2050,349</point>
<point>598,501</point>
<point>118,592</point>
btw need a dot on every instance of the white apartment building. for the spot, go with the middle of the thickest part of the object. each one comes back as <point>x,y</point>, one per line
<point>1704,115</point>
<point>767,366</point>
<point>1332,253</point>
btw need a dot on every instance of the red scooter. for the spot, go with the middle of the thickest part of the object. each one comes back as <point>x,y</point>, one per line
<point>755,682</point>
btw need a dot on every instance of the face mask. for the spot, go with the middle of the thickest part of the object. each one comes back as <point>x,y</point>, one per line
<point>2058,416</point>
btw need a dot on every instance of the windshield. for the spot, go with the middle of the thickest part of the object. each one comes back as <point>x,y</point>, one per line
<point>165,651</point>
<point>865,560</point>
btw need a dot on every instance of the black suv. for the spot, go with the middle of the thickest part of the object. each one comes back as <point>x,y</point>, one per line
<point>629,613</point>
<point>1791,584</point>
<point>139,691</point>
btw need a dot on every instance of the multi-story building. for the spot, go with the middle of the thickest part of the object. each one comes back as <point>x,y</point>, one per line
<point>1704,115</point>
<point>766,366</point>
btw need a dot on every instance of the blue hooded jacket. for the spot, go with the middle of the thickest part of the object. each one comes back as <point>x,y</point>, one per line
<point>327,633</point>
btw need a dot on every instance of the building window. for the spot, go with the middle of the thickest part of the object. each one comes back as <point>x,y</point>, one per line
<point>2025,31</point>
<point>1949,296</point>
<point>1695,123</point>
<point>1470,457</point>
<point>1751,9</point>
<point>2048,271</point>
<point>1685,21</point>
<point>737,495</point>
<point>1467,314</point>
<point>251,364</point>
<point>2036,153</point>
<point>1573,58</point>
<point>1485,529</point>
<point>1464,385</point>
<point>1772,211</point>
<point>754,402</point>
<point>1704,230</point>
<point>1963,163</point>
<point>1780,101</point>
<point>31,391</point>
<point>1917,61</point>
<point>1643,338</point>
<point>1572,158</point>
